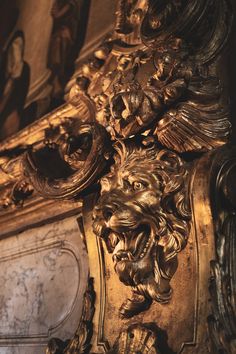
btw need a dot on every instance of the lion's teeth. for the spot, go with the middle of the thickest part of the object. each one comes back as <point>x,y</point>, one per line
<point>114,257</point>
<point>129,256</point>
<point>113,239</point>
<point>145,248</point>
<point>119,246</point>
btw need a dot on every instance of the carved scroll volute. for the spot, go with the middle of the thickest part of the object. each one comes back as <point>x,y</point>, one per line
<point>222,322</point>
<point>73,156</point>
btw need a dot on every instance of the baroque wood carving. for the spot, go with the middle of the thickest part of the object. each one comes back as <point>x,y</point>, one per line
<point>222,321</point>
<point>79,151</point>
<point>155,73</point>
<point>146,132</point>
<point>143,216</point>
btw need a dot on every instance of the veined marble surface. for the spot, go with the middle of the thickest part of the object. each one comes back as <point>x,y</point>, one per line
<point>43,275</point>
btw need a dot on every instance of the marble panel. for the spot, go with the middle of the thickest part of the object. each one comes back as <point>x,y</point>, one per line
<point>43,275</point>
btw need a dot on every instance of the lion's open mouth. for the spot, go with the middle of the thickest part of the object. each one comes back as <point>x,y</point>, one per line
<point>132,245</point>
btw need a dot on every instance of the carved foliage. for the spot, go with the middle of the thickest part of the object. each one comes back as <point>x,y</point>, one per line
<point>155,75</point>
<point>205,25</point>
<point>163,78</point>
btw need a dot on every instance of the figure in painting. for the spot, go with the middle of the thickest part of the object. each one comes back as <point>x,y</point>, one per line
<point>15,78</point>
<point>65,21</point>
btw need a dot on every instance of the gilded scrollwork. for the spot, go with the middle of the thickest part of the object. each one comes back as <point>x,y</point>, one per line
<point>156,72</point>
<point>15,195</point>
<point>222,321</point>
<point>76,152</point>
<point>143,215</point>
<point>15,189</point>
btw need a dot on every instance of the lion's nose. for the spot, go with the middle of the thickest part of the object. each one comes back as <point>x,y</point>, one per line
<point>107,213</point>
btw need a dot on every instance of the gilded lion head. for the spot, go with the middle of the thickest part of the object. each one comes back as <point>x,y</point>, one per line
<point>143,215</point>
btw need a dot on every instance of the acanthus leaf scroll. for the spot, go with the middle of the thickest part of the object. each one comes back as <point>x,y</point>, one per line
<point>155,74</point>
<point>159,75</point>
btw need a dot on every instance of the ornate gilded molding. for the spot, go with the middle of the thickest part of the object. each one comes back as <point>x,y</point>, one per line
<point>222,322</point>
<point>14,188</point>
<point>143,216</point>
<point>77,153</point>
<point>80,343</point>
<point>156,73</point>
<point>16,194</point>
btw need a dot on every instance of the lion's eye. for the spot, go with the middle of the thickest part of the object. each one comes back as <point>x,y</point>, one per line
<point>137,186</point>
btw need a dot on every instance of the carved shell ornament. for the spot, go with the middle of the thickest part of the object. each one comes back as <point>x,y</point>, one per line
<point>136,339</point>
